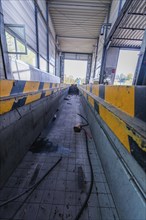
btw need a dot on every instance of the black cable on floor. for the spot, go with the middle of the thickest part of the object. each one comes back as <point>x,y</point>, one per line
<point>83,118</point>
<point>92,176</point>
<point>32,188</point>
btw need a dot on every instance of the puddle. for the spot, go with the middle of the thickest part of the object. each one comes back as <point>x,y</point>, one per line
<point>43,145</point>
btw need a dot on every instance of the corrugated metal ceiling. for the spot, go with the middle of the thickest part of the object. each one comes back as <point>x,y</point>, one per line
<point>130,30</point>
<point>78,23</point>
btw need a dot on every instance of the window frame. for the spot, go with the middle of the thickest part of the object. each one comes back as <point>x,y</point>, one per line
<point>16,38</point>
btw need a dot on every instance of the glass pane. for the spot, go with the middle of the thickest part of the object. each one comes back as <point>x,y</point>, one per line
<point>30,58</point>
<point>43,64</point>
<point>52,69</point>
<point>20,47</point>
<point>18,30</point>
<point>10,43</point>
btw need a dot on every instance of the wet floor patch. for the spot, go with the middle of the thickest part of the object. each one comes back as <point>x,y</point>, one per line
<point>43,145</point>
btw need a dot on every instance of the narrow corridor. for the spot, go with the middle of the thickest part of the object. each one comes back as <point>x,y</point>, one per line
<point>62,193</point>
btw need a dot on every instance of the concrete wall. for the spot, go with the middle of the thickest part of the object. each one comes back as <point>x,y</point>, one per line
<point>117,163</point>
<point>25,124</point>
<point>111,63</point>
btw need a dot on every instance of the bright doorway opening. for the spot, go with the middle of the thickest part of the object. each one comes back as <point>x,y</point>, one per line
<point>75,71</point>
<point>126,67</point>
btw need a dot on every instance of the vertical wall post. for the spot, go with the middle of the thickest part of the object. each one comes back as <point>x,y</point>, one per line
<point>140,73</point>
<point>48,56</point>
<point>120,7</point>
<point>89,64</point>
<point>95,58</point>
<point>55,55</point>
<point>62,67</point>
<point>104,51</point>
<point>37,36</point>
<point>3,45</point>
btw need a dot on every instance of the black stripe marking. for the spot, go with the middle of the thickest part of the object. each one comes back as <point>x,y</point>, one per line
<point>140,100</point>
<point>43,95</point>
<point>18,87</point>
<point>137,153</point>
<point>96,106</point>
<point>91,88</point>
<point>102,91</point>
<point>20,103</point>
<point>41,85</point>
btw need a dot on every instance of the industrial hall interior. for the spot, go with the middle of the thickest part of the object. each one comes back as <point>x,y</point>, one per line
<point>72,109</point>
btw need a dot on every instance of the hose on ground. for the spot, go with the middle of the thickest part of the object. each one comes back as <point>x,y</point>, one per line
<point>92,176</point>
<point>33,187</point>
<point>84,119</point>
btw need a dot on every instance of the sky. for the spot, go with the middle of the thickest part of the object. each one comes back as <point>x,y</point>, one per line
<point>75,68</point>
<point>127,61</point>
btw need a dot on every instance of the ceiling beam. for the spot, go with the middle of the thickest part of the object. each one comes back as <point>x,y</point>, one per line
<point>133,28</point>
<point>131,39</point>
<point>123,12</point>
<point>81,38</point>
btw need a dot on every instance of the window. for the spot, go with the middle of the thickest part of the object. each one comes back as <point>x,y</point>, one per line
<point>10,43</point>
<point>15,37</point>
<point>17,50</point>
<point>30,58</point>
<point>20,47</point>
<point>43,64</point>
<point>52,69</point>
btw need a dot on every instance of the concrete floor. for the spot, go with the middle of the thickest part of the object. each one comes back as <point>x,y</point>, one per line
<point>61,194</point>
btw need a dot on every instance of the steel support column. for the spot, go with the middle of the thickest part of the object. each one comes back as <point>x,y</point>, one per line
<point>47,18</point>
<point>95,58</point>
<point>104,51</point>
<point>89,64</point>
<point>3,46</point>
<point>62,67</point>
<point>37,36</point>
<point>140,73</point>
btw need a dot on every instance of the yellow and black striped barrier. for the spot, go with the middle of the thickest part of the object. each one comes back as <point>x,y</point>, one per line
<point>106,100</point>
<point>14,94</point>
<point>129,99</point>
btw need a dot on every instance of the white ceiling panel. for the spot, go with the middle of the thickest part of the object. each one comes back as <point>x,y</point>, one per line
<point>78,22</point>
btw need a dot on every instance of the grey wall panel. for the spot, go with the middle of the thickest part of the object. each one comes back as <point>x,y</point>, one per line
<point>99,56</point>
<point>114,11</point>
<point>111,64</point>
<point>51,26</point>
<point>51,54</point>
<point>21,12</point>
<point>42,5</point>
<point>42,33</point>
<point>52,39</point>
<point>75,56</point>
